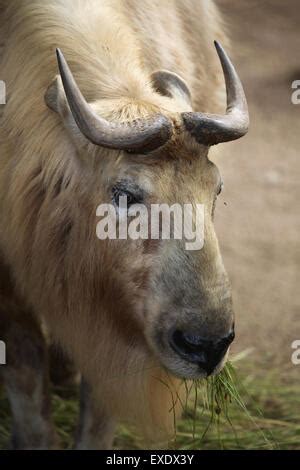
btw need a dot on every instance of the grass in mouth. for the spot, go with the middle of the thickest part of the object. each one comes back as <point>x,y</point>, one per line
<point>214,411</point>
<point>212,407</point>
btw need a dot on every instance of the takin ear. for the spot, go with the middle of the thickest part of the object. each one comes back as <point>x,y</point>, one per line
<point>56,100</point>
<point>172,85</point>
<point>55,97</point>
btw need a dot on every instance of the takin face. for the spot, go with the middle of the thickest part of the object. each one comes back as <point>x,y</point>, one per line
<point>180,300</point>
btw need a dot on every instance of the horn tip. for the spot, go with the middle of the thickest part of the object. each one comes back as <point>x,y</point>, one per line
<point>59,55</point>
<point>218,47</point>
<point>60,60</point>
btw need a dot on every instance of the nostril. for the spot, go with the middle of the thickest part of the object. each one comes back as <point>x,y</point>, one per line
<point>190,346</point>
<point>196,349</point>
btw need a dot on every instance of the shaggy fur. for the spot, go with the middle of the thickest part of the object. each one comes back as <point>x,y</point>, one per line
<point>93,296</point>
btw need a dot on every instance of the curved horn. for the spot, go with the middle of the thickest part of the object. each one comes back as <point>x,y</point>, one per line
<point>140,136</point>
<point>211,129</point>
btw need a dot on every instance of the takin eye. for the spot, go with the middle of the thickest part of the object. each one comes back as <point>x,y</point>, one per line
<point>129,190</point>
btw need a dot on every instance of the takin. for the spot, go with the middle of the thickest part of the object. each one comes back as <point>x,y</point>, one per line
<point>129,106</point>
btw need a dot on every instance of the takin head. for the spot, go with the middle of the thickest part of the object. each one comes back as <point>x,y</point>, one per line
<point>179,299</point>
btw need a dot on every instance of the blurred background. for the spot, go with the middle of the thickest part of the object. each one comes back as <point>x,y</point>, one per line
<point>258,216</point>
<point>258,226</point>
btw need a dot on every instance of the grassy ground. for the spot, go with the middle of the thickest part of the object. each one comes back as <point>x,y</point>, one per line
<point>272,419</point>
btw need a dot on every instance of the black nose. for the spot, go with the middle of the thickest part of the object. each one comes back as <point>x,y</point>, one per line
<point>206,353</point>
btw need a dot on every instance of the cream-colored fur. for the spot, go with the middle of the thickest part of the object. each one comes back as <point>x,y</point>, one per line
<point>49,189</point>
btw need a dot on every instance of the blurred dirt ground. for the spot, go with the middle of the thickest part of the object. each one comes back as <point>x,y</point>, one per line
<point>259,226</point>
